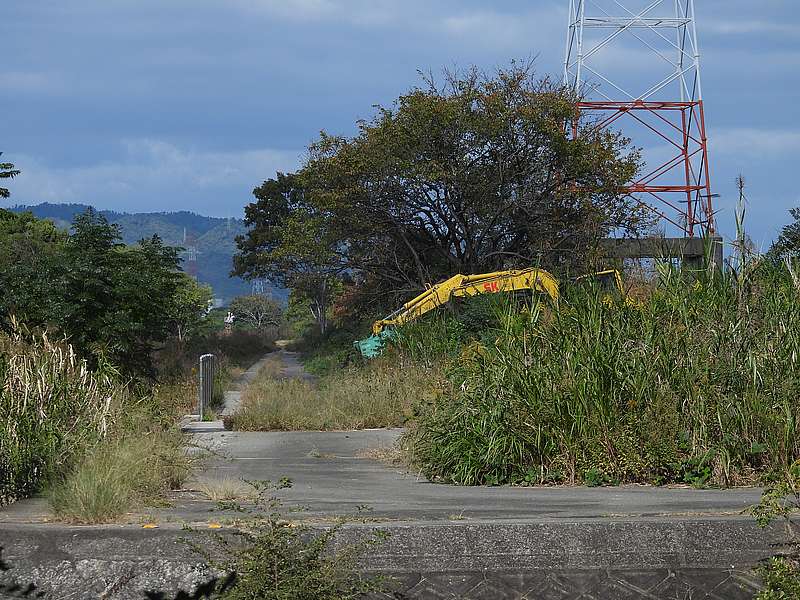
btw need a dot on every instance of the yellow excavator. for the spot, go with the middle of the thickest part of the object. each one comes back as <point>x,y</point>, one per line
<point>462,286</point>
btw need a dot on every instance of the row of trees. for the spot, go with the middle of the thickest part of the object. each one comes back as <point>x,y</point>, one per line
<point>471,175</point>
<point>113,301</point>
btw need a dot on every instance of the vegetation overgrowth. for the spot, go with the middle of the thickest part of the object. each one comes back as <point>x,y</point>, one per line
<point>457,176</point>
<point>51,406</point>
<point>101,445</point>
<point>268,557</point>
<point>380,395</point>
<point>95,381</point>
<point>781,502</point>
<point>696,384</point>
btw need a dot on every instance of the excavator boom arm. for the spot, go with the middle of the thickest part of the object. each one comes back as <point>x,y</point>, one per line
<point>470,285</point>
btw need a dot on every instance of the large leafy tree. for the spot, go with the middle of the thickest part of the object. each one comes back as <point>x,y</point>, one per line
<point>189,308</point>
<point>293,243</point>
<point>788,241</point>
<point>30,249</point>
<point>473,175</point>
<point>113,301</point>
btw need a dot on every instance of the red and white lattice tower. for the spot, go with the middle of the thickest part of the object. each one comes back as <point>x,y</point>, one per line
<point>635,65</point>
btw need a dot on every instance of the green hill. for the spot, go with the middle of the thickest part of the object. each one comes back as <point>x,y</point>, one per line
<point>212,237</point>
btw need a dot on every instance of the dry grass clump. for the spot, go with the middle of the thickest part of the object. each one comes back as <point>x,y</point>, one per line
<point>381,395</point>
<point>390,455</point>
<point>120,475</point>
<point>226,488</point>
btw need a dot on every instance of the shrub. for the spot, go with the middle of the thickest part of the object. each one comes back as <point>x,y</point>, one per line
<point>444,331</point>
<point>240,348</point>
<point>781,500</point>
<point>103,447</point>
<point>268,557</point>
<point>697,384</point>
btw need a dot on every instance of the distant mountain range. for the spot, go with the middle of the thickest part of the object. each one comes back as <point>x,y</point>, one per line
<point>212,238</point>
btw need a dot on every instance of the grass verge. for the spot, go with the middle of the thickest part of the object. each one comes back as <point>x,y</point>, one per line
<point>120,475</point>
<point>380,395</point>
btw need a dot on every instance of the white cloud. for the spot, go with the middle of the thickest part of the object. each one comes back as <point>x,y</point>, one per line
<point>492,29</point>
<point>749,27</point>
<point>154,175</point>
<point>291,9</point>
<point>755,143</point>
<point>484,28</point>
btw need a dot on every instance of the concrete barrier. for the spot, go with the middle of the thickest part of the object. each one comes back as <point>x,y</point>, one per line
<point>604,559</point>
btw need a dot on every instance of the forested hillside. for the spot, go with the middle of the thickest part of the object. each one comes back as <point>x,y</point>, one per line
<point>213,238</point>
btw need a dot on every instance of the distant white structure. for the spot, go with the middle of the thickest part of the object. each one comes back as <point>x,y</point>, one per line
<point>229,319</point>
<point>260,287</point>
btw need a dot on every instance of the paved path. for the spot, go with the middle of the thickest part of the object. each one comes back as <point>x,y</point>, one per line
<point>629,542</point>
<point>336,473</point>
<point>333,474</point>
<point>233,397</point>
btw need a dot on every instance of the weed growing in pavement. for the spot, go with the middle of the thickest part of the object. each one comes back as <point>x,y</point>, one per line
<point>781,500</point>
<point>265,556</point>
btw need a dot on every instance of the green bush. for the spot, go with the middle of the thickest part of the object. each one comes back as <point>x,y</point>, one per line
<point>322,355</point>
<point>270,558</point>
<point>239,348</point>
<point>781,578</point>
<point>699,384</point>
<point>444,332</point>
<point>781,500</point>
<point>101,446</point>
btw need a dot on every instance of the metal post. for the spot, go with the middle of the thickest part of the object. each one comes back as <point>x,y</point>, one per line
<point>206,383</point>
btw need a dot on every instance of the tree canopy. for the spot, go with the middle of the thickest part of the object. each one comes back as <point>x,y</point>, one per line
<point>256,311</point>
<point>472,175</point>
<point>789,238</point>
<point>7,171</point>
<point>111,300</point>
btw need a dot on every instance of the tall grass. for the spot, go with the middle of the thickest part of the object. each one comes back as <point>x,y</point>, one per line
<point>696,384</point>
<point>98,446</point>
<point>125,472</point>
<point>380,395</point>
<point>51,408</point>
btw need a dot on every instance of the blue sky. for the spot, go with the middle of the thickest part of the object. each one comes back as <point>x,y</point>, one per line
<point>150,105</point>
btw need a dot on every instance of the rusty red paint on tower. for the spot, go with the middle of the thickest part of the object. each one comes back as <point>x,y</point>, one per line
<point>635,65</point>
